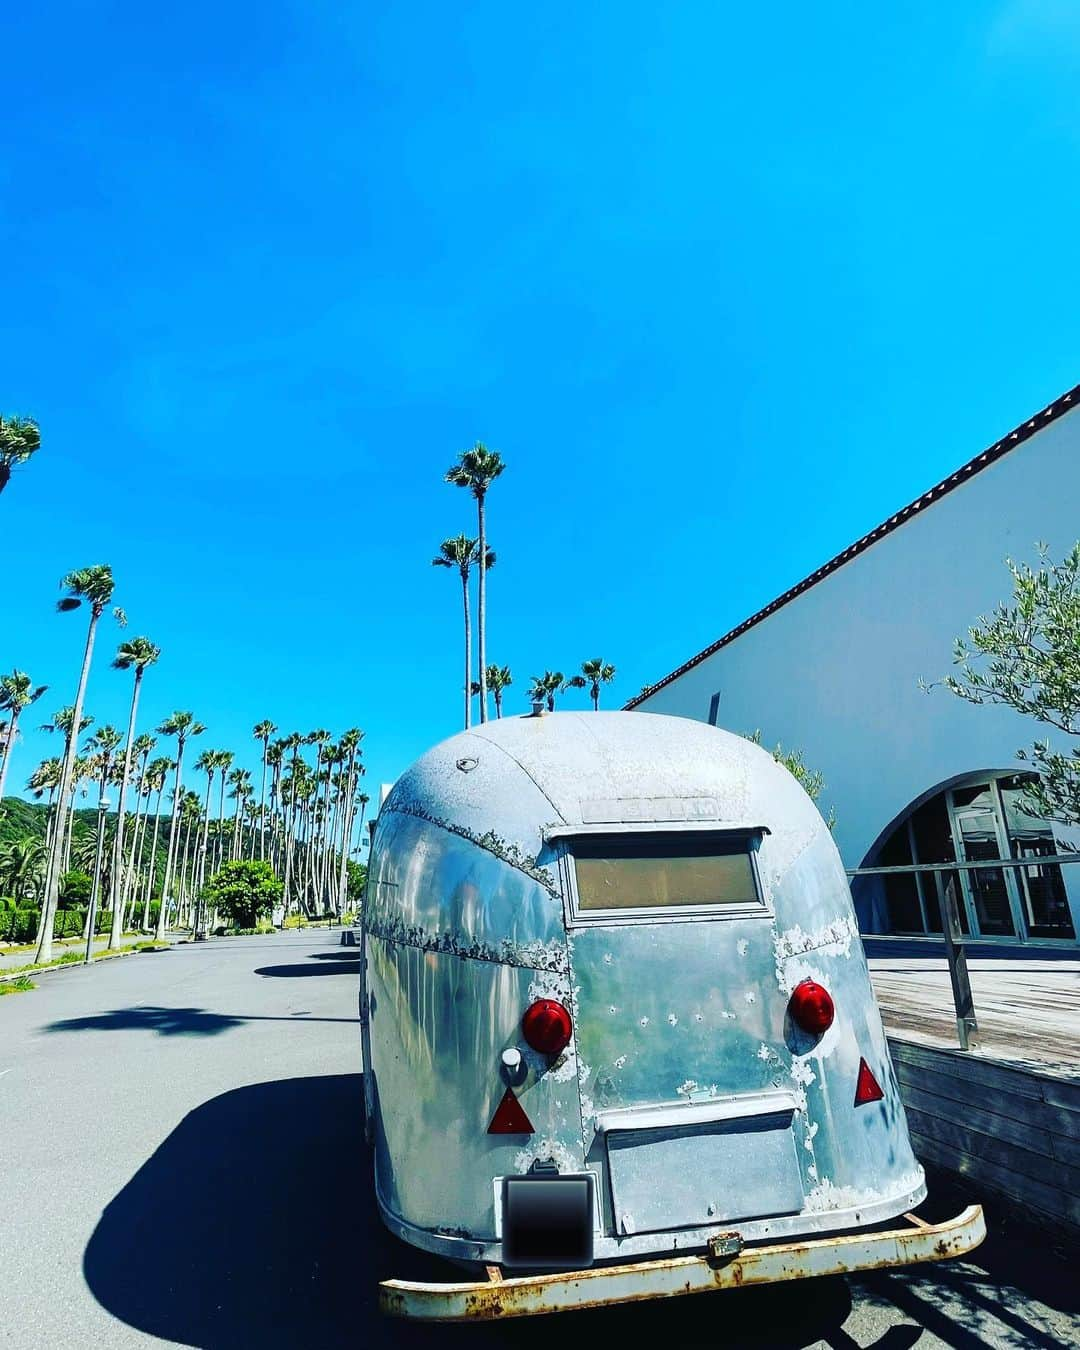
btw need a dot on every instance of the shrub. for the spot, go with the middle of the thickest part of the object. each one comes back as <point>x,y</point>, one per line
<point>75,888</point>
<point>244,892</point>
<point>19,925</point>
<point>69,922</point>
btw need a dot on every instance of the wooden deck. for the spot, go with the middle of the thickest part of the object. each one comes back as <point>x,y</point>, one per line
<point>1028,1011</point>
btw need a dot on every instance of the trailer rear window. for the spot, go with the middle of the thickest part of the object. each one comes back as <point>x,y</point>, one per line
<point>651,871</point>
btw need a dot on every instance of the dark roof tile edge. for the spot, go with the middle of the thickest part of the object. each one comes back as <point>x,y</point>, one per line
<point>1066,403</point>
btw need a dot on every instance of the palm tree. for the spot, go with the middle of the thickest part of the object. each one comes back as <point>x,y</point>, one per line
<point>363,799</point>
<point>289,789</point>
<point>93,586</point>
<point>141,749</point>
<point>190,819</point>
<point>157,774</point>
<point>182,725</point>
<point>207,763</point>
<point>46,778</point>
<point>262,731</point>
<point>81,771</point>
<point>63,720</point>
<point>321,741</point>
<point>498,678</point>
<point>19,438</point>
<point>16,693</point>
<point>21,866</point>
<point>476,470</point>
<point>240,782</point>
<point>224,762</point>
<point>596,672</point>
<point>350,747</point>
<point>544,688</point>
<point>136,654</point>
<point>274,756</point>
<point>461,552</point>
<point>101,747</point>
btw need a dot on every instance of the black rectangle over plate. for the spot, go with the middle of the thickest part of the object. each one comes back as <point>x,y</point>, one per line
<point>548,1222</point>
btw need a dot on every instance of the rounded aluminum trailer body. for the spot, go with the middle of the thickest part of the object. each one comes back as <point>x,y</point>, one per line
<point>686,1090</point>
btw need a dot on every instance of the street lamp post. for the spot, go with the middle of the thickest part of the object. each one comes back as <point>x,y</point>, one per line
<point>103,806</point>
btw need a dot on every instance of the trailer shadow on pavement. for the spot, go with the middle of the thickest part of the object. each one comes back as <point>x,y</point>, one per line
<point>255,1223</point>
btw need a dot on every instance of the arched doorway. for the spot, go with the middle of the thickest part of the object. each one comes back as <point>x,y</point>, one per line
<point>974,817</point>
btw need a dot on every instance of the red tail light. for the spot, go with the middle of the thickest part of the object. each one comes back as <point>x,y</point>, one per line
<point>811,1007</point>
<point>547,1026</point>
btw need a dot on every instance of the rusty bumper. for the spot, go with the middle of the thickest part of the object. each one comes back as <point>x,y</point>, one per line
<point>529,1295</point>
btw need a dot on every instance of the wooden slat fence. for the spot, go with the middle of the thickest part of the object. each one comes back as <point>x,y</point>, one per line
<point>1014,1132</point>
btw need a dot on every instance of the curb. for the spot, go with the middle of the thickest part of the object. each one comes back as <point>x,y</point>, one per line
<point>5,976</point>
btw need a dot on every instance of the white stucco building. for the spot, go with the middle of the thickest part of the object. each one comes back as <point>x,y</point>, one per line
<point>832,668</point>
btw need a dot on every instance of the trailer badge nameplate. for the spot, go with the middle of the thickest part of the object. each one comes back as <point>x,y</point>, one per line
<point>867,1088</point>
<point>510,1117</point>
<point>723,1246</point>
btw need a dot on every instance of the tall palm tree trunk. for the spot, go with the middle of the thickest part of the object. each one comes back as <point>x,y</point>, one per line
<point>128,890</point>
<point>468,647</point>
<point>481,600</point>
<point>330,855</point>
<point>329,830</point>
<point>288,845</point>
<point>127,879</point>
<point>219,842</point>
<point>346,831</point>
<point>50,827</point>
<point>69,834</point>
<point>170,857</point>
<point>97,891</point>
<point>262,802</point>
<point>185,884</point>
<point>204,844</point>
<point>116,931</point>
<point>9,742</point>
<point>52,871</point>
<point>151,871</point>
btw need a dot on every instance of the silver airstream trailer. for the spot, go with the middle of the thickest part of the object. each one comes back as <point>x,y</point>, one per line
<point>619,1036</point>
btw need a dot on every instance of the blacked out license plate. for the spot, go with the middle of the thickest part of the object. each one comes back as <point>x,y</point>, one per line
<point>548,1223</point>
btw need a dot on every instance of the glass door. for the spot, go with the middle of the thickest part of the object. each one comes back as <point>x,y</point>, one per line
<point>990,893</point>
<point>1043,893</point>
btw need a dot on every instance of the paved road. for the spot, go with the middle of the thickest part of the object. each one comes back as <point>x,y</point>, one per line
<point>182,1165</point>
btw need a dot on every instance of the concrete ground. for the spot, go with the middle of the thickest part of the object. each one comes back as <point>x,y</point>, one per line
<point>184,1165</point>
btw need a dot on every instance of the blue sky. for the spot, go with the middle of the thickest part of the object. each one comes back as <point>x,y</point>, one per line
<point>724,286</point>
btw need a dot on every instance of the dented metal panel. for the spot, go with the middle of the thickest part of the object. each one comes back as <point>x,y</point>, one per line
<point>712,1171</point>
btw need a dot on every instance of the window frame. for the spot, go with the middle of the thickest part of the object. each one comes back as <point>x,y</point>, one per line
<point>576,917</point>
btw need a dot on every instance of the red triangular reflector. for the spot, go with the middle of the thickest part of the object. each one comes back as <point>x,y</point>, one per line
<point>867,1089</point>
<point>510,1117</point>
